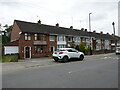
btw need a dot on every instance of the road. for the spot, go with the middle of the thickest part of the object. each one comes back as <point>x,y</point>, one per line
<point>97,71</point>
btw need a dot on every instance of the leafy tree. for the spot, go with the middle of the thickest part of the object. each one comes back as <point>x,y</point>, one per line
<point>6,34</point>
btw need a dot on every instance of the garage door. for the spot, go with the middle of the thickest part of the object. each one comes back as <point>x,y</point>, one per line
<point>10,49</point>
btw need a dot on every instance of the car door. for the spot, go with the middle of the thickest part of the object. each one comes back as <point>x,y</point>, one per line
<point>73,53</point>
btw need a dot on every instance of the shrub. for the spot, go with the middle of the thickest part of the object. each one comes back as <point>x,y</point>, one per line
<point>72,45</point>
<point>87,50</point>
<point>82,47</point>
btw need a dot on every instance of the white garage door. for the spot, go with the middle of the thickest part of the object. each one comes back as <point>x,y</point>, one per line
<point>10,49</point>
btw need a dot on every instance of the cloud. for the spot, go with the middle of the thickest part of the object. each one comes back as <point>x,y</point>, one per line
<point>62,11</point>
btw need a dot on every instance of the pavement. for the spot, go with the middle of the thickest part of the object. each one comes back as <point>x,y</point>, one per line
<point>38,62</point>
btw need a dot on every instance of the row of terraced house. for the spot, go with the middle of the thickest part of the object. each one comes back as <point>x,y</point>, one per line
<point>32,40</point>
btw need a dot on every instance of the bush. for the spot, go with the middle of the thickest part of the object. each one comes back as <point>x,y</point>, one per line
<point>87,50</point>
<point>10,58</point>
<point>82,47</point>
<point>72,45</point>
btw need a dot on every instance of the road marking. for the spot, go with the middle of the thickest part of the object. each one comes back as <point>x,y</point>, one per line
<point>70,72</point>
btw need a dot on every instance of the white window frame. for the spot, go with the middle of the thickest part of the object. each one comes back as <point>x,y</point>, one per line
<point>52,38</point>
<point>27,36</point>
<point>61,38</point>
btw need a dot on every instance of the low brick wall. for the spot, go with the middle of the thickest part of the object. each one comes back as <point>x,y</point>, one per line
<point>103,52</point>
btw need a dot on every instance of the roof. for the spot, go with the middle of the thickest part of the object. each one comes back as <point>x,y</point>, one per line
<point>29,27</point>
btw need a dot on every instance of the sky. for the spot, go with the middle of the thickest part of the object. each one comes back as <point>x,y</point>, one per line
<point>65,12</point>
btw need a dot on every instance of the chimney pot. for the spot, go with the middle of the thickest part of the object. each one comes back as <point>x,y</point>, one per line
<point>82,29</point>
<point>108,33</point>
<point>94,31</point>
<point>71,27</point>
<point>57,24</point>
<point>39,22</point>
<point>85,29</point>
<point>101,32</point>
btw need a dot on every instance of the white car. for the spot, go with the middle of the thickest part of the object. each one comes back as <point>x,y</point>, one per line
<point>117,50</point>
<point>65,54</point>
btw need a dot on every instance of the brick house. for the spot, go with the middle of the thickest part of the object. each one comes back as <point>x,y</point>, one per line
<point>36,39</point>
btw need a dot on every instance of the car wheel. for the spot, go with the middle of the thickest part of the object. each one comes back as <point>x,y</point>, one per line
<point>56,60</point>
<point>81,57</point>
<point>65,59</point>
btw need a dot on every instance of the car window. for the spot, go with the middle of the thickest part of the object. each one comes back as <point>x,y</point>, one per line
<point>59,50</point>
<point>72,50</point>
<point>69,50</point>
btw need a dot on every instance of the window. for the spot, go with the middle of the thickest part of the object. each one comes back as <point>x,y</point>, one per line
<point>77,39</point>
<point>69,39</point>
<point>40,49</point>
<point>107,44</point>
<point>35,36</point>
<point>27,36</point>
<point>52,38</point>
<point>61,38</point>
<point>61,46</point>
<point>40,37</point>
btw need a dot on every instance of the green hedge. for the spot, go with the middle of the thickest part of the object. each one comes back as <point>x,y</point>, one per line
<point>12,58</point>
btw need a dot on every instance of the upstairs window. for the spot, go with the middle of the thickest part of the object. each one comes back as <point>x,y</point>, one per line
<point>61,38</point>
<point>69,39</point>
<point>40,37</point>
<point>77,39</point>
<point>27,36</point>
<point>52,38</point>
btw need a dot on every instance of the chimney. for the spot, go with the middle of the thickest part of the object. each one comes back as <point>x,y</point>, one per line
<point>82,29</point>
<point>94,31</point>
<point>86,30</point>
<point>71,27</point>
<point>112,34</point>
<point>101,32</point>
<point>107,33</point>
<point>57,24</point>
<point>39,22</point>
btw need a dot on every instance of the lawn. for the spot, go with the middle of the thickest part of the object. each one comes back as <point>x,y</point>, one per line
<point>9,59</point>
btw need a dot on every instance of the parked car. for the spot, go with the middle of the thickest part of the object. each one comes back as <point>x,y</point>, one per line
<point>65,54</point>
<point>117,50</point>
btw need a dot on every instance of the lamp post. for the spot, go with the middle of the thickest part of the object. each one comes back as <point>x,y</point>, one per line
<point>90,22</point>
<point>114,33</point>
<point>113,27</point>
<point>90,35</point>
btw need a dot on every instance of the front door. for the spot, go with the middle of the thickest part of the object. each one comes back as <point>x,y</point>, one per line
<point>52,49</point>
<point>27,52</point>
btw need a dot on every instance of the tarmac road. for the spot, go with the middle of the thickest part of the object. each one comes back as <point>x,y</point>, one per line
<point>96,71</point>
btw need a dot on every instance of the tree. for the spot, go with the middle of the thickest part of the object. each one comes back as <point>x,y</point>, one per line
<point>6,34</point>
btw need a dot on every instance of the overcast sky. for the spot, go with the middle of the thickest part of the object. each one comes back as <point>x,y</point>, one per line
<point>65,12</point>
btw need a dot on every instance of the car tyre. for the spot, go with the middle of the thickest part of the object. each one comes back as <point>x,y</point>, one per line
<point>65,59</point>
<point>81,57</point>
